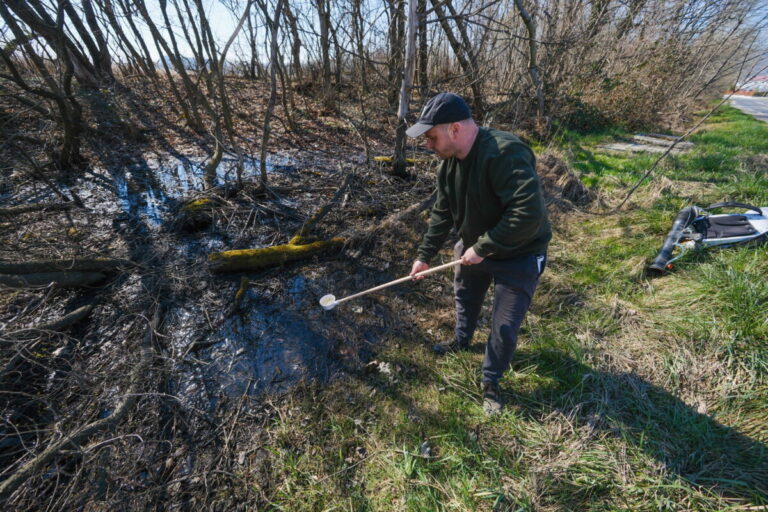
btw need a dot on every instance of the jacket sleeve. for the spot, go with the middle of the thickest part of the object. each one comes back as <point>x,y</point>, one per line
<point>516,185</point>
<point>440,223</point>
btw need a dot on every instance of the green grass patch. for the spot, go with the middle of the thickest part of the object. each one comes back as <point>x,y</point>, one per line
<point>627,393</point>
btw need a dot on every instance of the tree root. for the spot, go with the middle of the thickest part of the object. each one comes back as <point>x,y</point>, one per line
<point>11,211</point>
<point>66,265</point>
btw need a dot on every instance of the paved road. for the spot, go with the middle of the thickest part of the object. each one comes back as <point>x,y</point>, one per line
<point>758,107</point>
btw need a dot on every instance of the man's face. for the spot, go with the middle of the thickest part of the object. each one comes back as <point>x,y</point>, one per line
<point>441,139</point>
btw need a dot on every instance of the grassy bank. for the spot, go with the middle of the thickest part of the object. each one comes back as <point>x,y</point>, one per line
<point>628,393</point>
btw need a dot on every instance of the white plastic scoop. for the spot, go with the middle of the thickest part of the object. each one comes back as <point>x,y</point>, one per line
<point>329,301</point>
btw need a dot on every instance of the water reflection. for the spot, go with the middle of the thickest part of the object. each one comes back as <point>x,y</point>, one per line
<point>150,190</point>
<point>264,349</point>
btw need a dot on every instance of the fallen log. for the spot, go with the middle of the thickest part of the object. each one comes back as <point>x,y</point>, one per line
<point>245,260</point>
<point>66,265</point>
<point>10,211</point>
<point>57,279</point>
<point>256,259</point>
<point>62,323</point>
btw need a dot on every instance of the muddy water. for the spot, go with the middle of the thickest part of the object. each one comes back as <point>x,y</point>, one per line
<point>150,189</point>
<point>265,349</point>
<point>273,342</point>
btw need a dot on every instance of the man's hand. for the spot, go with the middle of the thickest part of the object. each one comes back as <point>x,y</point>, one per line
<point>419,266</point>
<point>470,257</point>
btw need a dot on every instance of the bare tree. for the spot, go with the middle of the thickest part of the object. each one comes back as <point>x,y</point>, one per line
<point>324,21</point>
<point>55,89</point>
<point>170,54</point>
<point>462,50</point>
<point>273,23</point>
<point>398,163</point>
<point>129,44</point>
<point>93,72</point>
<point>533,67</point>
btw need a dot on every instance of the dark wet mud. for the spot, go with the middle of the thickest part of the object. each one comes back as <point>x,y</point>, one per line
<point>278,336</point>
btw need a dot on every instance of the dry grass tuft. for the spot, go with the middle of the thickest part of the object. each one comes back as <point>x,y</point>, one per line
<point>562,187</point>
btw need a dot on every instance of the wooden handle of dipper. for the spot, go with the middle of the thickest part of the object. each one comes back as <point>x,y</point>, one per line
<point>402,280</point>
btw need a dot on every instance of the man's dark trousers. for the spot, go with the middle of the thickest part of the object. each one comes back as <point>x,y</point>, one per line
<point>515,281</point>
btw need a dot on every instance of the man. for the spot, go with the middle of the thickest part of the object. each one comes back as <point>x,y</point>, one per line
<point>488,190</point>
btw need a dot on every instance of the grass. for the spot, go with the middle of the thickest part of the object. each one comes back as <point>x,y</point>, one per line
<point>626,393</point>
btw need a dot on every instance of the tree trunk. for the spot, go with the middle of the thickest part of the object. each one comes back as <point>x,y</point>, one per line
<point>324,20</point>
<point>293,25</point>
<point>253,60</point>
<point>55,279</point>
<point>97,45</point>
<point>423,48</point>
<point>287,95</point>
<point>358,34</point>
<point>273,24</point>
<point>338,52</point>
<point>396,36</point>
<point>398,163</point>
<point>533,67</point>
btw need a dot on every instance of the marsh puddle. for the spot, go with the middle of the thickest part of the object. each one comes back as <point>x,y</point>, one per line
<point>278,337</point>
<point>265,348</point>
<point>271,343</point>
<point>148,191</point>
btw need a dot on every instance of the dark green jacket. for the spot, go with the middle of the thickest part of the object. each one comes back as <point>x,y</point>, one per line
<point>492,198</point>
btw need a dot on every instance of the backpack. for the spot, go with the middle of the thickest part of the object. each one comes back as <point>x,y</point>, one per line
<point>697,228</point>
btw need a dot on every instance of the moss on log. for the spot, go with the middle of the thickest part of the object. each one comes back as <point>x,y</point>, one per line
<point>57,279</point>
<point>203,203</point>
<point>66,265</point>
<point>256,259</point>
<point>196,214</point>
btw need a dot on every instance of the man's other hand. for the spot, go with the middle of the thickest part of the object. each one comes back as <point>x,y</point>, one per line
<point>418,266</point>
<point>470,257</point>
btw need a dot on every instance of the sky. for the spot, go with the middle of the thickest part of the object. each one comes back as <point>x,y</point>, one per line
<point>222,20</point>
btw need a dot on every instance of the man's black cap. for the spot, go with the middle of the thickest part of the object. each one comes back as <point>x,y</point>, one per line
<point>445,107</point>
